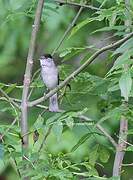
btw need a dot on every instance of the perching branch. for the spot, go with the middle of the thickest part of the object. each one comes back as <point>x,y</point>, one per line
<point>27,76</point>
<point>76,4</point>
<point>60,42</point>
<point>77,71</point>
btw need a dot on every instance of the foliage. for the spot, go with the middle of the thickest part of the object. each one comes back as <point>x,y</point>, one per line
<point>65,145</point>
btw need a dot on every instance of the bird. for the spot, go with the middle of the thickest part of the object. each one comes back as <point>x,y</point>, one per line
<point>50,77</point>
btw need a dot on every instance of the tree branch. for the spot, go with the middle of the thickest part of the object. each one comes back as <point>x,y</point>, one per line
<point>76,72</point>
<point>27,76</point>
<point>120,150</point>
<point>76,4</point>
<point>98,126</point>
<point>9,99</point>
<point>106,135</point>
<point>67,30</point>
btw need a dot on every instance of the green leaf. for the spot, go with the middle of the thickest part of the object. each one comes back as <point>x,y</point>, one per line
<point>52,119</point>
<point>104,155</point>
<point>1,151</point>
<point>10,88</point>
<point>69,122</point>
<point>125,46</point>
<point>39,123</point>
<point>110,28</point>
<point>93,155</point>
<point>125,84</point>
<point>129,148</point>
<point>64,53</point>
<point>57,129</point>
<point>82,24</point>
<point>82,140</point>
<point>114,178</point>
<point>130,131</point>
<point>121,60</point>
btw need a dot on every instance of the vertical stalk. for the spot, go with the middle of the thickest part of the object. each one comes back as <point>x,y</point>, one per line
<point>27,76</point>
<point>120,149</point>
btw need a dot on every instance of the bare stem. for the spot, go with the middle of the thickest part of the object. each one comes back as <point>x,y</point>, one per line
<point>27,76</point>
<point>77,71</point>
<point>98,126</point>
<point>9,99</point>
<point>106,134</point>
<point>76,4</point>
<point>67,30</point>
<point>120,150</point>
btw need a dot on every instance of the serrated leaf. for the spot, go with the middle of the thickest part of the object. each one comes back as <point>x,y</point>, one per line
<point>10,88</point>
<point>64,53</point>
<point>121,60</point>
<point>125,46</point>
<point>82,140</point>
<point>57,129</point>
<point>39,123</point>
<point>104,155</point>
<point>82,24</point>
<point>129,148</point>
<point>53,118</point>
<point>69,122</point>
<point>125,84</point>
<point>110,28</point>
<point>94,154</point>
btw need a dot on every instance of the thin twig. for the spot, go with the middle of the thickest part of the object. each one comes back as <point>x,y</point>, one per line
<point>9,99</point>
<point>125,141</point>
<point>76,4</point>
<point>18,171</point>
<point>60,42</point>
<point>77,71</point>
<point>45,137</point>
<point>67,30</point>
<point>131,164</point>
<point>107,135</point>
<point>6,131</point>
<point>98,126</point>
<point>28,72</point>
<point>38,105</point>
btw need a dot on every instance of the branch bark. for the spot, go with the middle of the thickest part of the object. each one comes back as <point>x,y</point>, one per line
<point>27,75</point>
<point>76,4</point>
<point>77,71</point>
<point>106,135</point>
<point>120,150</point>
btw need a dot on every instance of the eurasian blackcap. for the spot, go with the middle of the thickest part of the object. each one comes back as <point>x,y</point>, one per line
<point>49,73</point>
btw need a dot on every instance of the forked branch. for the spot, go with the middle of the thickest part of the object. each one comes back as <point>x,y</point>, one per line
<point>27,75</point>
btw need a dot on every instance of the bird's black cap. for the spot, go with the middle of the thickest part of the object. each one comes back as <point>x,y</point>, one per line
<point>46,55</point>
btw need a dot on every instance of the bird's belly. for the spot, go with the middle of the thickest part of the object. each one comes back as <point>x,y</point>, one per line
<point>50,78</point>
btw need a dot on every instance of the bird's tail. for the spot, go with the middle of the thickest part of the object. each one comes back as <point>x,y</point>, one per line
<point>53,103</point>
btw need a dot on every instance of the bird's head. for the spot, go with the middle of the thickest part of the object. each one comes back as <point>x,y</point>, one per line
<point>46,60</point>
